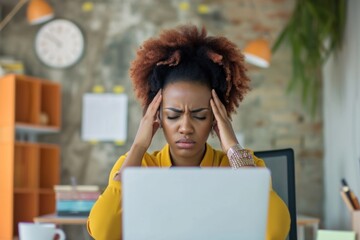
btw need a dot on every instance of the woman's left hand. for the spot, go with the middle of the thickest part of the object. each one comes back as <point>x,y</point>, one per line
<point>222,126</point>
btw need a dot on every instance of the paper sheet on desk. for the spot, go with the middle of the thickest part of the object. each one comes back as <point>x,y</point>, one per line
<point>335,235</point>
<point>104,117</point>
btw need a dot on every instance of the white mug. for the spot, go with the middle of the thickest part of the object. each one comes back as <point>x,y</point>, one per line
<point>39,231</point>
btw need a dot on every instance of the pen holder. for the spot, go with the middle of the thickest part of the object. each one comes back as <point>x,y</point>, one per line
<point>355,215</point>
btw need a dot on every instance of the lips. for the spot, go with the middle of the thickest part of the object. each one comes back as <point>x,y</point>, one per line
<point>185,143</point>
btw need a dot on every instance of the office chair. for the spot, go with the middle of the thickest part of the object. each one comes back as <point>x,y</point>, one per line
<point>281,164</point>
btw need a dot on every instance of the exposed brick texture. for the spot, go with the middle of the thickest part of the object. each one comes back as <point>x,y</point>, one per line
<point>268,118</point>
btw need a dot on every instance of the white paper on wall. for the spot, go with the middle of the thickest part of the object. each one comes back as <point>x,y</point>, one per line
<point>104,117</point>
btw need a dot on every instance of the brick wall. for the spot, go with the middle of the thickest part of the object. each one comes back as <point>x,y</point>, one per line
<point>268,118</point>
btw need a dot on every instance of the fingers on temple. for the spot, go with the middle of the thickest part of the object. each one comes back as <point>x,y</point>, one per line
<point>155,103</point>
<point>214,108</point>
<point>219,105</point>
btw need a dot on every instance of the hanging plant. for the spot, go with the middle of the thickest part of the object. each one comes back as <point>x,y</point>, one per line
<point>314,31</point>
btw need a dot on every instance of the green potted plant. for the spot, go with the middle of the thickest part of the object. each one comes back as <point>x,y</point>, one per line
<point>314,32</point>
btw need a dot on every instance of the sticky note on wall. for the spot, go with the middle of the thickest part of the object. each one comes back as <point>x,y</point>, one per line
<point>104,117</point>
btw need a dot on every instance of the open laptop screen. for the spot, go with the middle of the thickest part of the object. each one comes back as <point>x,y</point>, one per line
<point>195,203</point>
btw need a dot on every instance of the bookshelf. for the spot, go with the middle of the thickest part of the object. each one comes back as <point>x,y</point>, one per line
<point>29,106</point>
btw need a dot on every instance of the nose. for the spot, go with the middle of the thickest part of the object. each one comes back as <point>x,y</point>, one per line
<point>186,126</point>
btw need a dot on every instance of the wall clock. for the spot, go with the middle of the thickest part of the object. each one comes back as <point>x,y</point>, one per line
<point>59,43</point>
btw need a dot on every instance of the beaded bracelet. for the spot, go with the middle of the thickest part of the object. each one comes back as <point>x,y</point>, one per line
<point>240,157</point>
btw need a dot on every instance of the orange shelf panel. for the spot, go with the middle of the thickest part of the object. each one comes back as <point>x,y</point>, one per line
<point>25,208</point>
<point>50,104</point>
<point>7,93</point>
<point>46,191</point>
<point>29,106</point>
<point>27,101</point>
<point>24,190</point>
<point>49,163</point>
<point>26,165</point>
<point>6,190</point>
<point>47,203</point>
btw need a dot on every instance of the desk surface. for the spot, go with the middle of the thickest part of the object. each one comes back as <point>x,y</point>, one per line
<point>306,220</point>
<point>53,218</point>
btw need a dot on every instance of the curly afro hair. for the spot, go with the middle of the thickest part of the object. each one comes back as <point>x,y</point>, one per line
<point>188,54</point>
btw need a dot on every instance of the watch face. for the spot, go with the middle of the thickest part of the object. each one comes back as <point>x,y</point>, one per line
<point>59,43</point>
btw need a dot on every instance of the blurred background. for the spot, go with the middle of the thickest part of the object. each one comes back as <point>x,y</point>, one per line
<point>324,134</point>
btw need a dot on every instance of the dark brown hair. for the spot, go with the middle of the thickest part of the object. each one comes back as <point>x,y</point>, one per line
<point>188,54</point>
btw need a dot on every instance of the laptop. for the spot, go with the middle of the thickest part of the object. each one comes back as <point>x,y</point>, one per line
<point>195,203</point>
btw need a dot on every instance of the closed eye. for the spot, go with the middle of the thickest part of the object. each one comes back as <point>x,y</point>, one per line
<point>200,118</point>
<point>172,117</point>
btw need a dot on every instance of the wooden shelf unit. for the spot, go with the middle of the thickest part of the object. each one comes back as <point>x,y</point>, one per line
<point>31,106</point>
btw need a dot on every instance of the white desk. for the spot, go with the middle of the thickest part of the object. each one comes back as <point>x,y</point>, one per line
<point>64,220</point>
<point>302,222</point>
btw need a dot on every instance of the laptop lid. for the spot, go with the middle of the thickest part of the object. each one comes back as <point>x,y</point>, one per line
<point>195,203</point>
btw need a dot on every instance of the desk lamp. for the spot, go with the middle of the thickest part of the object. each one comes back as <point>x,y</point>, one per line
<point>38,11</point>
<point>258,53</point>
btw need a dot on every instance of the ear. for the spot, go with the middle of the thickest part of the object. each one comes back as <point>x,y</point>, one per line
<point>214,123</point>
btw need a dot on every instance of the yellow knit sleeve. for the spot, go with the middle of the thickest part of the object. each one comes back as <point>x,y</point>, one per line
<point>104,222</point>
<point>278,222</point>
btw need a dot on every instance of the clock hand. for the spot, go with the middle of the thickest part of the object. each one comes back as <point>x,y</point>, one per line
<point>54,40</point>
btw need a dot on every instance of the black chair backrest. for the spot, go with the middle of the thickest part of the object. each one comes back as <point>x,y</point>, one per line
<point>281,164</point>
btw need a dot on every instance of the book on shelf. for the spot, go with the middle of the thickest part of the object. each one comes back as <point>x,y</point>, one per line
<point>10,65</point>
<point>75,200</point>
<point>80,188</point>
<point>74,207</point>
<point>77,195</point>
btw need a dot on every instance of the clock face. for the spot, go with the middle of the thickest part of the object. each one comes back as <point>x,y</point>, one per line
<point>59,43</point>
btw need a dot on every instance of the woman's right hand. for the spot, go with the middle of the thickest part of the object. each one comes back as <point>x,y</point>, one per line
<point>149,124</point>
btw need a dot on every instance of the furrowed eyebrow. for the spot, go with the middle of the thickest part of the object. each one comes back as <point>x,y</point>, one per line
<point>199,110</point>
<point>192,111</point>
<point>174,110</point>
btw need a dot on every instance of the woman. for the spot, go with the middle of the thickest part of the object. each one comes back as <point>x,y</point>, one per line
<point>189,84</point>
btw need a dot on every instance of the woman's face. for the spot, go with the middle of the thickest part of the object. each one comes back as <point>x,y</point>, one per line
<point>186,119</point>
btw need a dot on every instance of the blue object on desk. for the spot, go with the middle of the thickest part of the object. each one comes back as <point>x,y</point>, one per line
<point>74,207</point>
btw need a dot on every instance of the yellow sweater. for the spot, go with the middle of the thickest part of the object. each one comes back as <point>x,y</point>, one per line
<point>104,222</point>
